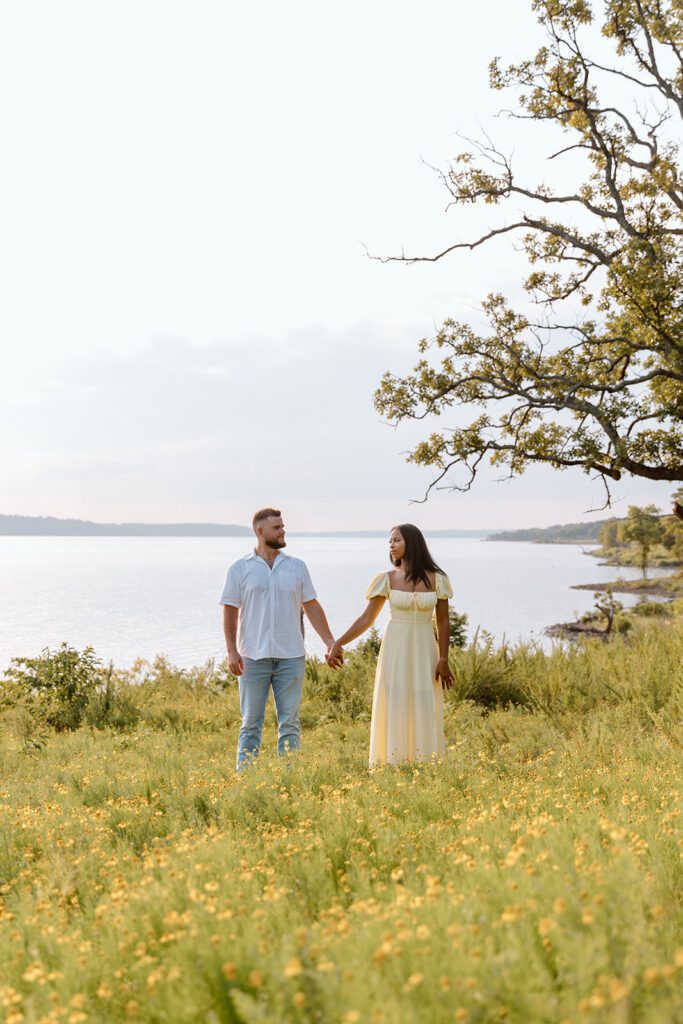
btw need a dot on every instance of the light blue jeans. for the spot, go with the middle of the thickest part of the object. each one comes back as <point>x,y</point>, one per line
<point>286,676</point>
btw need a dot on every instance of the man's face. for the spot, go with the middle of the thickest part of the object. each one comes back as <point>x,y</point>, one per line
<point>273,530</point>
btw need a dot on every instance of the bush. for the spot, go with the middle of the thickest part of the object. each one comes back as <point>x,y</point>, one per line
<point>371,645</point>
<point>55,688</point>
<point>343,693</point>
<point>458,628</point>
<point>111,708</point>
<point>653,609</point>
<point>489,676</point>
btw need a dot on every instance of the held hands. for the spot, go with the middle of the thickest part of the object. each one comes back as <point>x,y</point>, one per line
<point>334,655</point>
<point>444,673</point>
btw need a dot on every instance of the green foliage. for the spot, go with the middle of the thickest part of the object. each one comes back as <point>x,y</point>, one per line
<point>371,644</point>
<point>608,606</point>
<point>339,694</point>
<point>487,675</point>
<point>55,687</point>
<point>652,609</point>
<point>644,528</point>
<point>609,534</point>
<point>672,530</point>
<point>531,876</point>
<point>457,628</point>
<point>567,533</point>
<point>595,381</point>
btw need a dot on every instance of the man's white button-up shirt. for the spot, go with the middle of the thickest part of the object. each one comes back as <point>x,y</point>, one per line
<point>270,602</point>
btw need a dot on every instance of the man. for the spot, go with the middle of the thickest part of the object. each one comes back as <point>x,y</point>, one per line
<point>264,592</point>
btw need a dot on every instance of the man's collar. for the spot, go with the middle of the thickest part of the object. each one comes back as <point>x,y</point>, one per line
<point>280,554</point>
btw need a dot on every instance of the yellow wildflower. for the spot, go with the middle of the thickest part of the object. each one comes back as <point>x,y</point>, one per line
<point>293,968</point>
<point>618,989</point>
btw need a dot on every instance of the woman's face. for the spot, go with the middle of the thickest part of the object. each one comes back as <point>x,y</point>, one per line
<point>397,546</point>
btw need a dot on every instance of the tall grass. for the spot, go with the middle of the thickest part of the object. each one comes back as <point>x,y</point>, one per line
<point>535,874</point>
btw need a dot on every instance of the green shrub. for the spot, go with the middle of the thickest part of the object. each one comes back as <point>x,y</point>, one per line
<point>55,688</point>
<point>653,609</point>
<point>371,645</point>
<point>488,675</point>
<point>109,707</point>
<point>343,693</point>
<point>458,628</point>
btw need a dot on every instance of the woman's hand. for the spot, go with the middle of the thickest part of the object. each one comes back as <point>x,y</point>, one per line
<point>444,673</point>
<point>335,656</point>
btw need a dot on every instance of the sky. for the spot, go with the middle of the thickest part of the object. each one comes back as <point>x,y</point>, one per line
<point>191,327</point>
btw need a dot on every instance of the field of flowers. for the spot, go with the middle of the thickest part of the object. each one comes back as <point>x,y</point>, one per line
<point>535,875</point>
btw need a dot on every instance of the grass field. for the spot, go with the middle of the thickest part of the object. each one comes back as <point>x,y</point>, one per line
<point>534,875</point>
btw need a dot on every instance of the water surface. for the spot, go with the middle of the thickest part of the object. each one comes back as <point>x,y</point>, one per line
<point>131,597</point>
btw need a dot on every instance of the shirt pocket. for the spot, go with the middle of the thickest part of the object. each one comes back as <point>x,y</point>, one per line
<point>288,582</point>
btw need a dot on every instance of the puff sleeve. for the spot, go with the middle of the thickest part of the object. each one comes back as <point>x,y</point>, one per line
<point>379,586</point>
<point>444,590</point>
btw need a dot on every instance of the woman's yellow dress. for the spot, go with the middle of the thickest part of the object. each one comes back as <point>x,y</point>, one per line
<point>407,704</point>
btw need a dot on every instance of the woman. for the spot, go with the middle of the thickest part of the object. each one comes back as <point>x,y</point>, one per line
<point>407,704</point>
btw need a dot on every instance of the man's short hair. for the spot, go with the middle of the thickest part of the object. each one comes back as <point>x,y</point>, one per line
<point>262,514</point>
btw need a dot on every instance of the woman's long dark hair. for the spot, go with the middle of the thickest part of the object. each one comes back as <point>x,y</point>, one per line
<point>416,558</point>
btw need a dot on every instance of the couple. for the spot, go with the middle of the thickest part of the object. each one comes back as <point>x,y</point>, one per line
<point>264,595</point>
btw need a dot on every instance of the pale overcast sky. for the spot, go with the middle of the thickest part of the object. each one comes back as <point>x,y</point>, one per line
<point>190,327</point>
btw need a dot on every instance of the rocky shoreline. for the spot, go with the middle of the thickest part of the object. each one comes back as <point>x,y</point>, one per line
<point>574,630</point>
<point>661,587</point>
<point>666,588</point>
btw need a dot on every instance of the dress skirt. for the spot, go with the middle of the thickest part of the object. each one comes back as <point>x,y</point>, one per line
<point>407,704</point>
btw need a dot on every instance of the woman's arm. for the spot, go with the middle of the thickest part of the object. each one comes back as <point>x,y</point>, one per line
<point>443,628</point>
<point>357,628</point>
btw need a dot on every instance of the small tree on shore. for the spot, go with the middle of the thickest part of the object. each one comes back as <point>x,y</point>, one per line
<point>608,606</point>
<point>644,528</point>
<point>609,534</point>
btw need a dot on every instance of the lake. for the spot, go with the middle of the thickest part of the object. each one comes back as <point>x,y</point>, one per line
<point>131,597</point>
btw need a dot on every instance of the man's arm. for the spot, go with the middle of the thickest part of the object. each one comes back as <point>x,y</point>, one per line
<point>230,617</point>
<point>317,618</point>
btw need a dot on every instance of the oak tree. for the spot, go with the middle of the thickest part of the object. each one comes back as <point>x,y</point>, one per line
<point>594,379</point>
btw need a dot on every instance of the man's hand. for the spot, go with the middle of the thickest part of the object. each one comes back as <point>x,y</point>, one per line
<point>235,663</point>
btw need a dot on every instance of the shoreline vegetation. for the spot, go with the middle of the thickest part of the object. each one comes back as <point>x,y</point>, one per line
<point>643,539</point>
<point>532,875</point>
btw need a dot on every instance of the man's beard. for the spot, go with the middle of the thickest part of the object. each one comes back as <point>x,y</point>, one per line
<point>275,545</point>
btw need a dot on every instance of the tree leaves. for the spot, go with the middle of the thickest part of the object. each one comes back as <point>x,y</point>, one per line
<point>596,379</point>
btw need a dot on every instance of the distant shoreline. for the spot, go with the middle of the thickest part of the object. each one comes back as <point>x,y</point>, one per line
<point>50,526</point>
